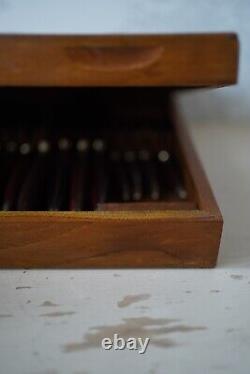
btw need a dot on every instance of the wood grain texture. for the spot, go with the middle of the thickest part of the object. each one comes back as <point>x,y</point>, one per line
<point>150,238</point>
<point>170,238</point>
<point>82,241</point>
<point>184,60</point>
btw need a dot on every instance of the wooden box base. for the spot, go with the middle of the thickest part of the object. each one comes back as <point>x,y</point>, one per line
<point>132,235</point>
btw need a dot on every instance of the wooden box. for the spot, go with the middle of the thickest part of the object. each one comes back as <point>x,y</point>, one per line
<point>120,88</point>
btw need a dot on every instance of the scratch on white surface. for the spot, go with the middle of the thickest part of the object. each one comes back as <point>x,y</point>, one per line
<point>131,299</point>
<point>57,314</point>
<point>6,315</point>
<point>48,303</point>
<point>236,276</point>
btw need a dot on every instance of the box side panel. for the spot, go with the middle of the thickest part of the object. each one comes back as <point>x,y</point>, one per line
<point>86,243</point>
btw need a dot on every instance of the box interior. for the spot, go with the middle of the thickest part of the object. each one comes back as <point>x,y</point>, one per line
<point>84,149</point>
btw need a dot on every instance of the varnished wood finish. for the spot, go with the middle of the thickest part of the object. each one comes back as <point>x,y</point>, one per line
<point>122,240</point>
<point>173,238</point>
<point>157,205</point>
<point>121,60</point>
<point>167,237</point>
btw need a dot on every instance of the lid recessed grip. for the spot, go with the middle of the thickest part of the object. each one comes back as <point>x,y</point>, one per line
<point>118,58</point>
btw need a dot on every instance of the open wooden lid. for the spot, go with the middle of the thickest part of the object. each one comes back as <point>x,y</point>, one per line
<point>184,60</point>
